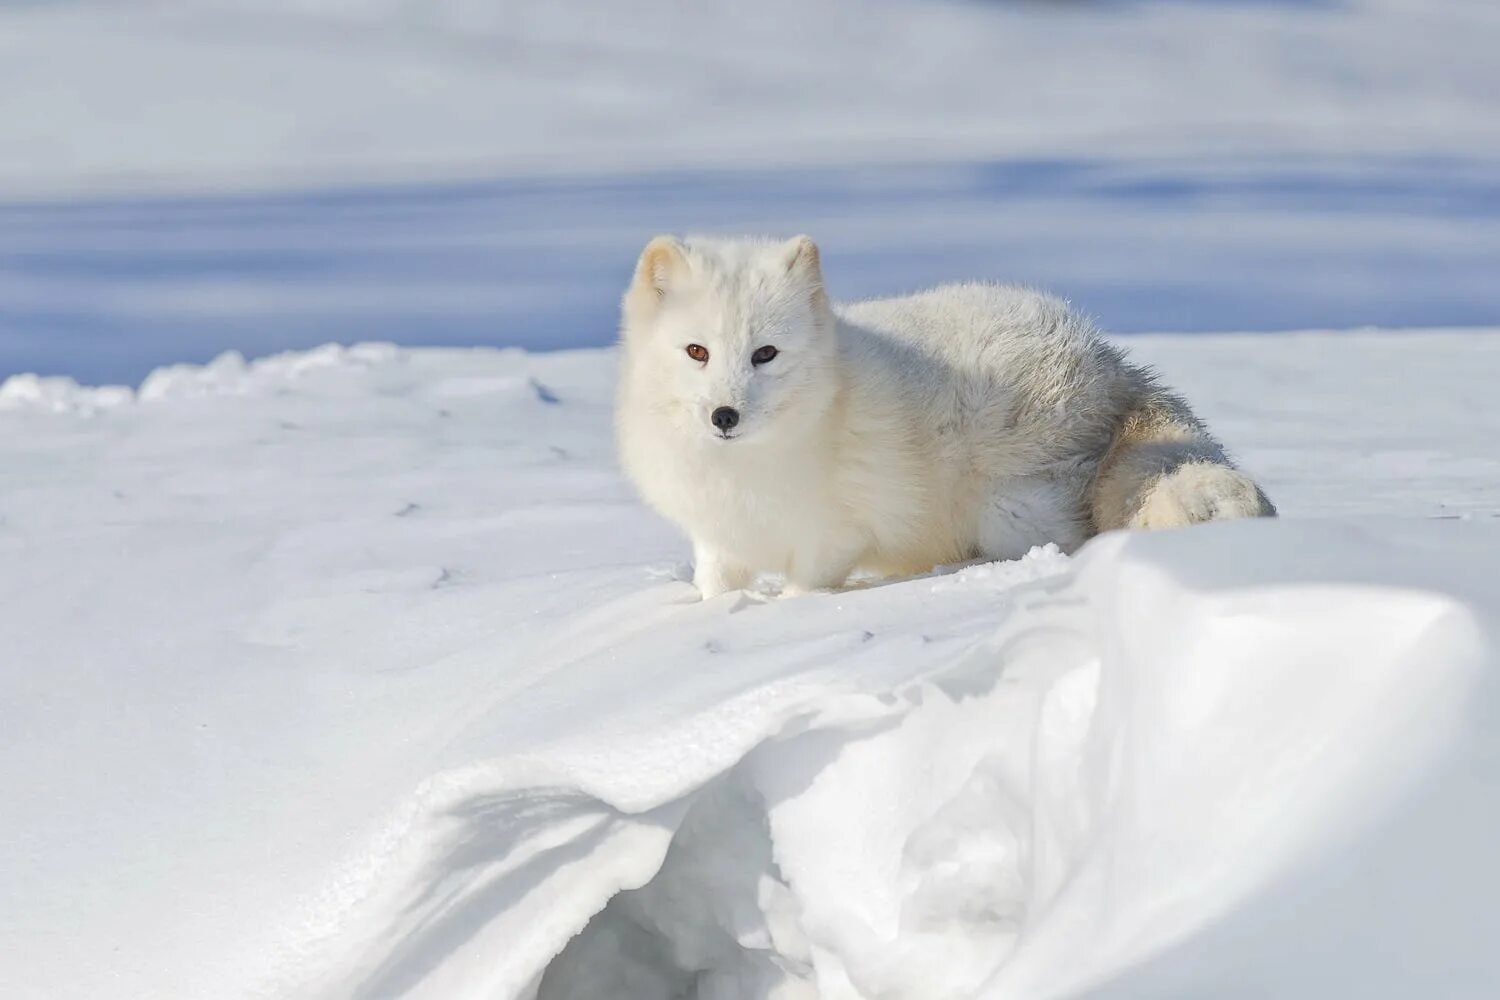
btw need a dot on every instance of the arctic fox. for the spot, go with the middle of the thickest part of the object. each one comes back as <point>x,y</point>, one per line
<point>788,435</point>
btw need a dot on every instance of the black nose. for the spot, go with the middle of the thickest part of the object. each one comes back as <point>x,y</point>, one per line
<point>725,417</point>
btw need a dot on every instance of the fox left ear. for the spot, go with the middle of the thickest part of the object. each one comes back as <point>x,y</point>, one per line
<point>662,265</point>
<point>662,262</point>
<point>800,256</point>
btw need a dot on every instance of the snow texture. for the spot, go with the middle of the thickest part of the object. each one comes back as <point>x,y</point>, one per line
<point>358,672</point>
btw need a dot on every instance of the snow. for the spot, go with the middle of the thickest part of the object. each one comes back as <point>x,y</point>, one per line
<point>356,669</point>
<point>359,672</point>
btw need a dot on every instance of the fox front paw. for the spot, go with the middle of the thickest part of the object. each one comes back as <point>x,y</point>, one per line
<point>714,574</point>
<point>816,579</point>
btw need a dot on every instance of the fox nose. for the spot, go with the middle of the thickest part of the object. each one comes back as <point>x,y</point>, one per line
<point>725,417</point>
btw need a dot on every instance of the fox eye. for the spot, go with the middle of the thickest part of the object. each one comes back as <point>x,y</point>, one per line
<point>763,354</point>
<point>697,352</point>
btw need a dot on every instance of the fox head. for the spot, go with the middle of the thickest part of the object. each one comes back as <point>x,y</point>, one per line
<point>729,339</point>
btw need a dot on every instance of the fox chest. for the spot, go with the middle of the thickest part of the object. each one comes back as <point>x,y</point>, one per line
<point>763,511</point>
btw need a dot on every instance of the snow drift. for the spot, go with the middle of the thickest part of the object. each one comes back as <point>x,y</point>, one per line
<point>360,673</point>
<point>1231,770</point>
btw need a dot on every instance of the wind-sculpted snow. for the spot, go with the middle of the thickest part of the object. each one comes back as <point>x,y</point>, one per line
<point>359,672</point>
<point>1141,753</point>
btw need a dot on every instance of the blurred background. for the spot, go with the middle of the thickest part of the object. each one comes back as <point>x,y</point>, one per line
<point>182,177</point>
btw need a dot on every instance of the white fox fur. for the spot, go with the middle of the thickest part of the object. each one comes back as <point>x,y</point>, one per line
<point>892,435</point>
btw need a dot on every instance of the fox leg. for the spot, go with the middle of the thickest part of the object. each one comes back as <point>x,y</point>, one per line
<point>1163,470</point>
<point>715,573</point>
<point>825,567</point>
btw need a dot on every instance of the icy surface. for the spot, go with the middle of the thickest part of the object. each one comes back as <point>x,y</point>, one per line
<point>358,672</point>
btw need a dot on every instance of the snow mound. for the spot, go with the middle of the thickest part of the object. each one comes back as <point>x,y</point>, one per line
<point>230,374</point>
<point>1224,726</point>
<point>361,673</point>
<point>59,394</point>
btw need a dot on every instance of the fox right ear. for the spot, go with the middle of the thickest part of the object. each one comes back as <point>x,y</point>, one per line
<point>662,262</point>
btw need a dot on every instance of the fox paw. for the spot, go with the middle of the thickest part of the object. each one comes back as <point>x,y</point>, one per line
<point>1198,492</point>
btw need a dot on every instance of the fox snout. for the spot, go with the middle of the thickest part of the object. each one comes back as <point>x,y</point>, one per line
<point>725,418</point>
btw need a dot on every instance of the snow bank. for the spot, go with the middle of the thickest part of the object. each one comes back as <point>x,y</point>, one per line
<point>59,394</point>
<point>361,673</point>
<point>1259,726</point>
<point>229,374</point>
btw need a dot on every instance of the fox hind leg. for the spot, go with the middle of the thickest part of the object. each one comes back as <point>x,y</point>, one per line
<point>1165,471</point>
<point>1197,491</point>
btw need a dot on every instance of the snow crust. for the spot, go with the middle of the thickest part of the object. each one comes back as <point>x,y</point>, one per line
<point>358,672</point>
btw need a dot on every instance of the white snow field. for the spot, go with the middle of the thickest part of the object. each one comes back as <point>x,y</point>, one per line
<point>360,673</point>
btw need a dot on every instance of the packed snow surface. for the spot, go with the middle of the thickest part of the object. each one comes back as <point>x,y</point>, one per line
<point>359,672</point>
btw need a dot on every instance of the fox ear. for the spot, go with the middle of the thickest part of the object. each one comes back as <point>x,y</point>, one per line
<point>662,262</point>
<point>800,257</point>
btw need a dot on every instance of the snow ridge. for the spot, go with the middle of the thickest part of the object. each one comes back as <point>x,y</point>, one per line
<point>229,374</point>
<point>1131,757</point>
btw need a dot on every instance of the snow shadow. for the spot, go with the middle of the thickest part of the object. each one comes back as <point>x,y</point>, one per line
<point>716,920</point>
<point>501,847</point>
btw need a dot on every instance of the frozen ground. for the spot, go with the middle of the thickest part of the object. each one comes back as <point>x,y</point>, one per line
<point>359,672</point>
